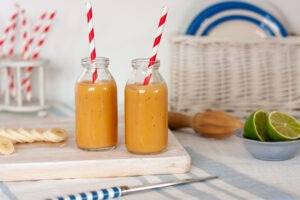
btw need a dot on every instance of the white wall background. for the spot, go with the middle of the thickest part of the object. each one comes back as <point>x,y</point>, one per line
<point>124,30</point>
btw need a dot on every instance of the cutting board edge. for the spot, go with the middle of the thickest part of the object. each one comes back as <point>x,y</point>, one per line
<point>172,165</point>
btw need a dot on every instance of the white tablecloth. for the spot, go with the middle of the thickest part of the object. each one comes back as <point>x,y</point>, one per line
<point>241,176</point>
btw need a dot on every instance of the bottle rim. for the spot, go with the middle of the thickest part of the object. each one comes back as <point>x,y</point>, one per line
<point>99,62</point>
<point>144,62</point>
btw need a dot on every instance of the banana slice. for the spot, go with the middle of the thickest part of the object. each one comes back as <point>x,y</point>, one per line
<point>26,133</point>
<point>16,135</point>
<point>56,135</point>
<point>37,134</point>
<point>4,133</point>
<point>10,134</point>
<point>6,146</point>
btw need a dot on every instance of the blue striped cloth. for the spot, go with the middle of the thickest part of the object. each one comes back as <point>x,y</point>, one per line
<point>241,176</point>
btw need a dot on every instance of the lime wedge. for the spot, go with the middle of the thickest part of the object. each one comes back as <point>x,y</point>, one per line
<point>282,127</point>
<point>256,126</point>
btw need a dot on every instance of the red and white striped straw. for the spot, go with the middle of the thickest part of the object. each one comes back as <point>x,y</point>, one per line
<point>41,40</point>
<point>12,35</point>
<point>30,40</point>
<point>159,32</point>
<point>3,39</point>
<point>89,15</point>
<point>2,42</point>
<point>24,33</point>
<point>26,82</point>
<point>7,30</point>
<point>10,43</point>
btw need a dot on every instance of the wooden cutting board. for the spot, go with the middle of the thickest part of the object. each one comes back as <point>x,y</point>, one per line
<point>59,161</point>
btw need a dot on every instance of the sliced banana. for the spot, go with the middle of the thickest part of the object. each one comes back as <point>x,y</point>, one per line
<point>4,133</point>
<point>16,135</point>
<point>56,135</point>
<point>48,135</point>
<point>9,136</point>
<point>37,134</point>
<point>26,133</point>
<point>6,146</point>
<point>10,133</point>
<point>22,135</point>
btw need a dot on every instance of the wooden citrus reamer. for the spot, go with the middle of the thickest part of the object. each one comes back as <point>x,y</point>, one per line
<point>215,124</point>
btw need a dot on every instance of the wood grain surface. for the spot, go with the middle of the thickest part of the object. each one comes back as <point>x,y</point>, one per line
<point>60,161</point>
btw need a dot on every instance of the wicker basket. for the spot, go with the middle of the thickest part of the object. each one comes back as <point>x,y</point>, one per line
<point>236,76</point>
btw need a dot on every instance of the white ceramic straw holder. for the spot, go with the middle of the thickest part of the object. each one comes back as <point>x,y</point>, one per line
<point>18,103</point>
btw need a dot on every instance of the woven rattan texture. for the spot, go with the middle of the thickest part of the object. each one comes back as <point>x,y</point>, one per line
<point>236,76</point>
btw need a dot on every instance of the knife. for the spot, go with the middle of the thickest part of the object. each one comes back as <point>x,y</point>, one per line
<point>115,192</point>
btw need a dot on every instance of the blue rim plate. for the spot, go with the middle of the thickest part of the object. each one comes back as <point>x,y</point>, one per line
<point>234,5</point>
<point>252,20</point>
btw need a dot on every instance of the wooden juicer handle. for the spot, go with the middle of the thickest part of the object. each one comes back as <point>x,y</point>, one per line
<point>179,120</point>
<point>215,124</point>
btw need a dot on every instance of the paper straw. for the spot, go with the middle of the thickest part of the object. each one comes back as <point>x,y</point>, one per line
<point>10,43</point>
<point>24,34</point>
<point>12,35</point>
<point>7,30</point>
<point>41,40</point>
<point>36,29</point>
<point>3,41</point>
<point>89,15</point>
<point>26,82</point>
<point>159,32</point>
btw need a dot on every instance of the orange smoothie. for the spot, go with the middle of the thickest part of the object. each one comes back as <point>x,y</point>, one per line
<point>146,118</point>
<point>96,115</point>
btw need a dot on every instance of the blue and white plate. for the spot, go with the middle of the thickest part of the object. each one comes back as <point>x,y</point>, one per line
<point>236,19</point>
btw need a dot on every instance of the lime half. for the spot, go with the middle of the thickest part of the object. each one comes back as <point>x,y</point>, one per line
<point>282,127</point>
<point>256,126</point>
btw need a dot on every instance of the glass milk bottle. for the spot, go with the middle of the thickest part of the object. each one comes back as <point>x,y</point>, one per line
<point>96,107</point>
<point>146,110</point>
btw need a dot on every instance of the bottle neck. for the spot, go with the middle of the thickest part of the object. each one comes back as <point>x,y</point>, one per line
<point>142,68</point>
<point>99,63</point>
<point>145,64</point>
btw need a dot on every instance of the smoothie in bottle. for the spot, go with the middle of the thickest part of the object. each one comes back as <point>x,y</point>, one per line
<point>146,111</point>
<point>96,107</point>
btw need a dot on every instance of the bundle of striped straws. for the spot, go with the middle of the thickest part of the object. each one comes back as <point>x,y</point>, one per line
<point>20,38</point>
